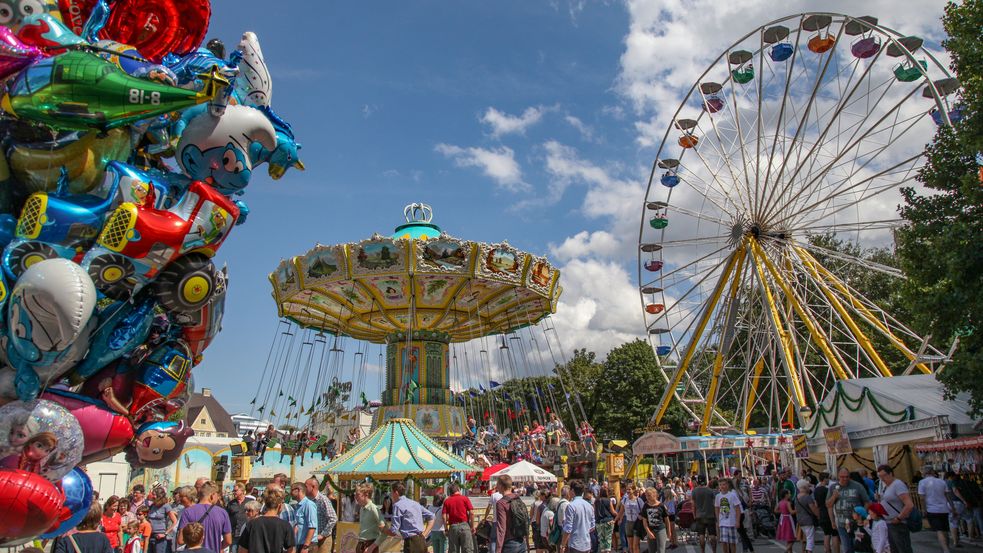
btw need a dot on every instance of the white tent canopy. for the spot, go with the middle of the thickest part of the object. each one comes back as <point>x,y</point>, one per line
<point>524,471</point>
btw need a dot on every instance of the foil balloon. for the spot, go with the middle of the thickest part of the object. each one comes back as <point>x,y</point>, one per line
<point>41,437</point>
<point>253,85</point>
<point>29,505</point>
<point>77,488</point>
<point>154,27</point>
<point>216,148</point>
<point>158,444</point>
<point>48,325</point>
<point>15,54</point>
<point>93,93</point>
<point>13,13</point>
<point>104,432</point>
<point>48,33</point>
<point>122,327</point>
<point>38,166</point>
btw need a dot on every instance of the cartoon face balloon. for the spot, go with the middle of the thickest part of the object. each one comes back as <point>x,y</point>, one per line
<point>215,149</point>
<point>158,444</point>
<point>41,437</point>
<point>14,12</point>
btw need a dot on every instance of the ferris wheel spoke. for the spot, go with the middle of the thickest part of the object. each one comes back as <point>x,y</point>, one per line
<point>869,193</point>
<point>734,180</point>
<point>859,262</point>
<point>834,120</point>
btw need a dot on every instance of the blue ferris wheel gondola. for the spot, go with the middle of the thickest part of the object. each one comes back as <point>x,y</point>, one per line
<point>780,52</point>
<point>669,180</point>
<point>663,350</point>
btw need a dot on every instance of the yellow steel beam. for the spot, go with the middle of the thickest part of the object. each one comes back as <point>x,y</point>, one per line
<point>752,393</point>
<point>718,361</point>
<point>793,372</point>
<point>867,315</point>
<point>814,330</point>
<point>858,333</point>
<point>697,333</point>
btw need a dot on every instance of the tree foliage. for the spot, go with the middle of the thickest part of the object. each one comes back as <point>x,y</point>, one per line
<point>941,245</point>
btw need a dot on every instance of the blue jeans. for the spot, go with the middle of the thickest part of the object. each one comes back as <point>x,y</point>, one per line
<point>514,546</point>
<point>846,540</point>
<point>162,545</point>
<point>621,534</point>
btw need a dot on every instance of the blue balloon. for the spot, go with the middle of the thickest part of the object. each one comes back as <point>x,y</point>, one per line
<point>78,498</point>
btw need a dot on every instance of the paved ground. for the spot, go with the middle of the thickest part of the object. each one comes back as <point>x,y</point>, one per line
<point>922,542</point>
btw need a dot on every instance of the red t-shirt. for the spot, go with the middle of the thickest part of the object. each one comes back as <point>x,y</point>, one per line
<point>457,508</point>
<point>110,527</point>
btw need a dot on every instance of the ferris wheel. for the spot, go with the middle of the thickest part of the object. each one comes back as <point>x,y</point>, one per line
<point>806,127</point>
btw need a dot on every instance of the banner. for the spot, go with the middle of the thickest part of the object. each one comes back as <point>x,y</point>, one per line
<point>801,446</point>
<point>837,440</point>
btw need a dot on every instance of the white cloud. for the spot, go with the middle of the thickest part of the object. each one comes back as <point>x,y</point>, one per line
<point>586,132</point>
<point>497,163</point>
<point>502,123</point>
<point>599,243</point>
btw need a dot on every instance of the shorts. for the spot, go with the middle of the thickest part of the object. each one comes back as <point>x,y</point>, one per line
<point>827,526</point>
<point>938,522</point>
<point>728,534</point>
<point>705,525</point>
<point>629,529</point>
<point>540,541</point>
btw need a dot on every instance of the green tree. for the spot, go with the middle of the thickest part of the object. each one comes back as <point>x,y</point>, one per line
<point>940,245</point>
<point>627,392</point>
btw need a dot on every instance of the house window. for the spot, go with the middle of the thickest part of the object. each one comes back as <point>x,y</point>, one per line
<point>201,421</point>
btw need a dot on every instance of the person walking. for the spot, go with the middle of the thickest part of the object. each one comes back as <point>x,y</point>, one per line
<point>236,508</point>
<point>807,514</point>
<point>162,520</point>
<point>218,528</point>
<point>112,523</point>
<point>727,510</point>
<point>786,521</point>
<point>326,515</point>
<point>604,522</point>
<point>743,489</point>
<point>490,511</point>
<point>457,513</point>
<point>831,541</point>
<point>655,522</point>
<point>438,539</point>
<point>578,521</point>
<point>843,497</point>
<point>628,512</point>
<point>897,502</point>
<point>704,514</point>
<point>305,519</point>
<point>932,490</point>
<point>88,538</point>
<point>410,521</point>
<point>268,533</point>
<point>511,519</point>
<point>369,520</point>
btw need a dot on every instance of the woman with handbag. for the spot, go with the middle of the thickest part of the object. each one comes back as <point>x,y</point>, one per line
<point>807,513</point>
<point>89,538</point>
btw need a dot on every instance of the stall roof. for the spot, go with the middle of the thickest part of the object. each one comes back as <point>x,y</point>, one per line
<point>867,403</point>
<point>661,443</point>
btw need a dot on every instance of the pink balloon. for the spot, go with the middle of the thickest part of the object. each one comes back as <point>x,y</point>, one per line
<point>14,53</point>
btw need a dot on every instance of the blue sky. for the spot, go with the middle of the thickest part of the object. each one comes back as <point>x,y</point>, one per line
<point>534,122</point>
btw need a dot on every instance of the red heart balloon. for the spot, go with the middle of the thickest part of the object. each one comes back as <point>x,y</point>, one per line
<point>29,504</point>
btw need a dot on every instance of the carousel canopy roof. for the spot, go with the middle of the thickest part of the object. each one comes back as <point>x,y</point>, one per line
<point>394,451</point>
<point>419,279</point>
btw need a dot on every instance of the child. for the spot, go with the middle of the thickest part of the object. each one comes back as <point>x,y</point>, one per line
<point>193,535</point>
<point>134,544</point>
<point>878,528</point>
<point>786,527</point>
<point>143,526</point>
<point>859,530</point>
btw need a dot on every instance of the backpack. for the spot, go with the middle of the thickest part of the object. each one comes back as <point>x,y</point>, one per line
<point>517,525</point>
<point>556,532</point>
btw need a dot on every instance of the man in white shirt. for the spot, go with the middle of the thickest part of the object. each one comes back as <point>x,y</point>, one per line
<point>937,505</point>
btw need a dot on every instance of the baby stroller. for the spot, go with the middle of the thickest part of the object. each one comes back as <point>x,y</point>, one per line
<point>763,521</point>
<point>482,537</point>
<point>684,520</point>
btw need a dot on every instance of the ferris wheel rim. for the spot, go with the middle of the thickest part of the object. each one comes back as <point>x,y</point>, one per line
<point>887,36</point>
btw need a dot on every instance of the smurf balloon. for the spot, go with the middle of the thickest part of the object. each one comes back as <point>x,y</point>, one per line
<point>49,320</point>
<point>216,149</point>
<point>13,13</point>
<point>41,437</point>
<point>158,444</point>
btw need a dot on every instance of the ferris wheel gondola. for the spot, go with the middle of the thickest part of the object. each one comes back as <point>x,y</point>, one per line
<point>804,127</point>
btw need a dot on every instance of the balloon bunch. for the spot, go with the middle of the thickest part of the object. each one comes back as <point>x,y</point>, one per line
<point>108,292</point>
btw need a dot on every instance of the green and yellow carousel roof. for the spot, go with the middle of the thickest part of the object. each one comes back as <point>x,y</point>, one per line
<point>419,279</point>
<point>394,451</point>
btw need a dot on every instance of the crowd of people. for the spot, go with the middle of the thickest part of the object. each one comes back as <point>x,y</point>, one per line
<point>485,445</point>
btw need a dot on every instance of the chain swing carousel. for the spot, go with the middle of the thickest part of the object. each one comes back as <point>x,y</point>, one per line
<point>463,330</point>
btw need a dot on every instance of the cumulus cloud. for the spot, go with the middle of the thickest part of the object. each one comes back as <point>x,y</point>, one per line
<point>586,132</point>
<point>499,164</point>
<point>502,123</point>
